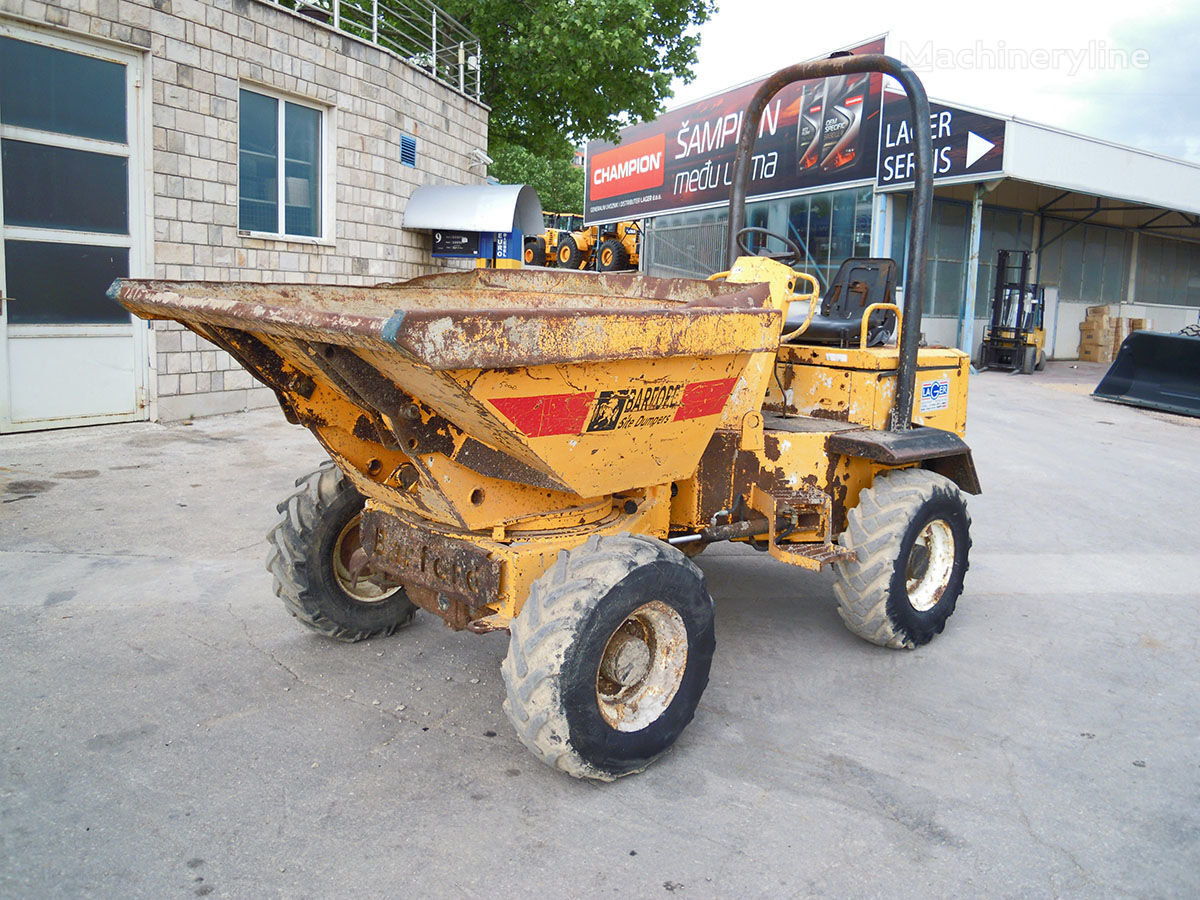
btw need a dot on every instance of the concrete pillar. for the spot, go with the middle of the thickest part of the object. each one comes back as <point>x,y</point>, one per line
<point>883,210</point>
<point>1131,288</point>
<point>966,332</point>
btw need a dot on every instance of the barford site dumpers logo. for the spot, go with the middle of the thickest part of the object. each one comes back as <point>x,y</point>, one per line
<point>617,408</point>
<point>630,167</point>
<point>633,407</point>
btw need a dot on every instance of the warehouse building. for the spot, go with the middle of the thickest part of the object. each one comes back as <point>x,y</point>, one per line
<point>228,140</point>
<point>833,166</point>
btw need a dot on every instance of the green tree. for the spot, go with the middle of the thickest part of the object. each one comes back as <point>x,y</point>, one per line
<point>559,183</point>
<point>556,72</point>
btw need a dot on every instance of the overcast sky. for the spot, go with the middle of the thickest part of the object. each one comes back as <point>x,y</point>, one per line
<point>1128,72</point>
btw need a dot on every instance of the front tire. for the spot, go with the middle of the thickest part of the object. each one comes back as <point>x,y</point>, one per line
<point>569,254</point>
<point>310,559</point>
<point>609,656</point>
<point>612,256</point>
<point>911,529</point>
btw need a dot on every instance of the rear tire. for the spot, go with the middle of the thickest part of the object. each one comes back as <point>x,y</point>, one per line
<point>535,252</point>
<point>310,553</point>
<point>609,656</point>
<point>911,529</point>
<point>569,254</point>
<point>612,256</point>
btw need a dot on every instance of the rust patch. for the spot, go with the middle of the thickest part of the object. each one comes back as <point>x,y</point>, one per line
<point>834,415</point>
<point>715,476</point>
<point>259,360</point>
<point>364,429</point>
<point>771,447</point>
<point>485,460</point>
<point>452,610</point>
<point>838,491</point>
<point>459,575</point>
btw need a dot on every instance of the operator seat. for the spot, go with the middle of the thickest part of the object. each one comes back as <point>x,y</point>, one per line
<point>838,320</point>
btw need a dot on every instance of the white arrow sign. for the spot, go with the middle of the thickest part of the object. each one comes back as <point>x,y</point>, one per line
<point>976,147</point>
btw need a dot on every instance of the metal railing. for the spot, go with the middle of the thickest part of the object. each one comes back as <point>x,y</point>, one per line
<point>694,250</point>
<point>417,31</point>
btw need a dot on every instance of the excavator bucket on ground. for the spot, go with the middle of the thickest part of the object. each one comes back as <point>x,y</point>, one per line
<point>1155,371</point>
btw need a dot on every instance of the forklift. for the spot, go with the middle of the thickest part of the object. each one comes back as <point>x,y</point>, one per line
<point>1016,339</point>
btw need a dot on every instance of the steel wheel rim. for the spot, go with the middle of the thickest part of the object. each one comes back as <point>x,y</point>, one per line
<point>360,588</point>
<point>642,667</point>
<point>930,565</point>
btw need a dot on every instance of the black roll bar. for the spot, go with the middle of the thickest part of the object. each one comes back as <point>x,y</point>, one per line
<point>922,205</point>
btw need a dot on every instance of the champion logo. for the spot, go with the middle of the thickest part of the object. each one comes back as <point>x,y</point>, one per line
<point>628,168</point>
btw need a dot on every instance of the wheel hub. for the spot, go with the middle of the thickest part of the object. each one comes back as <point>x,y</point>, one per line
<point>352,570</point>
<point>930,564</point>
<point>642,667</point>
<point>626,659</point>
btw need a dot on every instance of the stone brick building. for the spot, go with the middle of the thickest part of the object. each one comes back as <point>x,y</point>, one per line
<point>219,140</point>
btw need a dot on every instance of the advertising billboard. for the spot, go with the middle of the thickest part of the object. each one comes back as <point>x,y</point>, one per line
<point>812,133</point>
<point>966,144</point>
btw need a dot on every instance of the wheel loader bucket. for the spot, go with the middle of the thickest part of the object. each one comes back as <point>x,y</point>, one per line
<point>585,385</point>
<point>1156,371</point>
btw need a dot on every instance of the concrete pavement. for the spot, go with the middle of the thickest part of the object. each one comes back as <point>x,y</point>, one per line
<point>167,730</point>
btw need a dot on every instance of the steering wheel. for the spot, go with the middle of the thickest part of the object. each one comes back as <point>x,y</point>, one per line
<point>791,258</point>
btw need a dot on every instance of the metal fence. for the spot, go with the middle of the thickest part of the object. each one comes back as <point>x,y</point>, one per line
<point>694,250</point>
<point>417,31</point>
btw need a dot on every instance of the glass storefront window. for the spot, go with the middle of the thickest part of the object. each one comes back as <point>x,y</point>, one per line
<point>1088,263</point>
<point>1168,271</point>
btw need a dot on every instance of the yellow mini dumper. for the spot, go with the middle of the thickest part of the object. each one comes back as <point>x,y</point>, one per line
<point>541,452</point>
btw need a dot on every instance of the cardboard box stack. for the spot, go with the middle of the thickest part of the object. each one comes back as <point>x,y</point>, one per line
<point>1096,334</point>
<point>1101,333</point>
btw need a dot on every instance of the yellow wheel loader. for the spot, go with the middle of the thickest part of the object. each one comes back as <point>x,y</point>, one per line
<point>618,247</point>
<point>606,248</point>
<point>575,247</point>
<point>542,249</point>
<point>536,453</point>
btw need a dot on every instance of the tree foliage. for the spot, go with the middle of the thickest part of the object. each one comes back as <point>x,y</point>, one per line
<point>556,72</point>
<point>559,183</point>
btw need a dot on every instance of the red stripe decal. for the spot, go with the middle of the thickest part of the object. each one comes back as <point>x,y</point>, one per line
<point>547,414</point>
<point>704,398</point>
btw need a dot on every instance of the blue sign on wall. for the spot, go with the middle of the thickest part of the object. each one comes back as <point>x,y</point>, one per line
<point>449,244</point>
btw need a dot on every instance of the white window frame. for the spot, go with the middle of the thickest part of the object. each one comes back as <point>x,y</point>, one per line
<point>326,180</point>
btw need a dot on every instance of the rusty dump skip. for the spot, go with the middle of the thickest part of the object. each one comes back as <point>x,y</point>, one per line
<point>568,384</point>
<point>474,319</point>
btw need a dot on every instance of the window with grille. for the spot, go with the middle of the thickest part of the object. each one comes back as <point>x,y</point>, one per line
<point>279,165</point>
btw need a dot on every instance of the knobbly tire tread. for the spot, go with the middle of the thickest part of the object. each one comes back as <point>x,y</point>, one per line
<point>620,256</point>
<point>294,547</point>
<point>550,621</point>
<point>1192,330</point>
<point>574,258</point>
<point>876,529</point>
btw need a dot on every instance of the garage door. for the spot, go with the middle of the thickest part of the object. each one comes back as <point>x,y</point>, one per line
<point>70,222</point>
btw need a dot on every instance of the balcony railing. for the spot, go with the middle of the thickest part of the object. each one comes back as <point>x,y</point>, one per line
<point>414,30</point>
